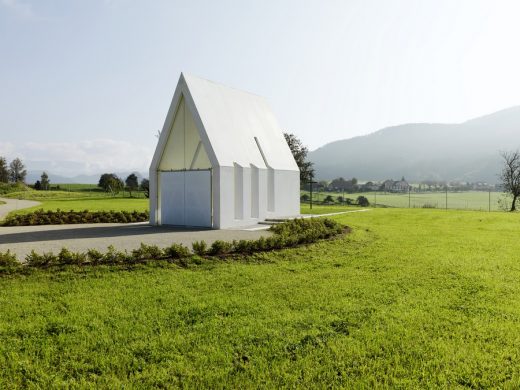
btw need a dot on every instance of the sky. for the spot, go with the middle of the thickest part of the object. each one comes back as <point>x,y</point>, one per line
<point>86,84</point>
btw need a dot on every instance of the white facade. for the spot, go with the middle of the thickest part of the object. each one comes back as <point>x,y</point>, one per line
<point>221,160</point>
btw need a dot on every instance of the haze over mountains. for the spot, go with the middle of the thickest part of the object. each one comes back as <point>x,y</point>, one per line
<point>467,151</point>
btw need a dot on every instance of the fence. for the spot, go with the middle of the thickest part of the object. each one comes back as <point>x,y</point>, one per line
<point>461,200</point>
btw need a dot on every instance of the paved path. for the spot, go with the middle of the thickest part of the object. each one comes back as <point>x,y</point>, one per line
<point>51,238</point>
<point>15,204</point>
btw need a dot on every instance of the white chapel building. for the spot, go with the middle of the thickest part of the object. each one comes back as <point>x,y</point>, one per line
<point>221,161</point>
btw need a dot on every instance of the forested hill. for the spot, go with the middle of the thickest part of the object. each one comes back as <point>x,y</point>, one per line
<point>467,151</point>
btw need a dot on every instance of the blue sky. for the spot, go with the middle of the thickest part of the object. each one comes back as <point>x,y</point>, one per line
<point>85,85</point>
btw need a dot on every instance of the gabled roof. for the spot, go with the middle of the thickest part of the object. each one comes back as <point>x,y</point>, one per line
<point>235,126</point>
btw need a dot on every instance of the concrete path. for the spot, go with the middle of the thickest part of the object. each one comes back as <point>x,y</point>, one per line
<point>51,238</point>
<point>15,204</point>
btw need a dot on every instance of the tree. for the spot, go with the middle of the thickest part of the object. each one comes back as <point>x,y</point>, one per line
<point>362,201</point>
<point>510,175</point>
<point>299,152</point>
<point>4,171</point>
<point>132,183</point>
<point>328,199</point>
<point>37,185</point>
<point>17,172</point>
<point>145,186</point>
<point>45,182</point>
<point>110,183</point>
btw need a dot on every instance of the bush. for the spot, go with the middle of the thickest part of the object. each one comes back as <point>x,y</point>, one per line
<point>58,217</point>
<point>33,259</point>
<point>67,257</point>
<point>8,259</point>
<point>362,201</point>
<point>219,248</point>
<point>176,251</point>
<point>285,235</point>
<point>200,247</point>
<point>147,252</point>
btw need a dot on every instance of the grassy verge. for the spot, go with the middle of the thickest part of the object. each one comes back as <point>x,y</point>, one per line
<point>91,204</point>
<point>410,299</point>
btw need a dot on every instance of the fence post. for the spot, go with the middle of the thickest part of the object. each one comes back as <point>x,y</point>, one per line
<point>446,197</point>
<point>489,201</point>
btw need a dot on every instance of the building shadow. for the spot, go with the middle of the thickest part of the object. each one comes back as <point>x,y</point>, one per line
<point>92,232</point>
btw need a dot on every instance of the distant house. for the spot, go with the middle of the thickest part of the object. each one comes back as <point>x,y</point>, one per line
<point>396,186</point>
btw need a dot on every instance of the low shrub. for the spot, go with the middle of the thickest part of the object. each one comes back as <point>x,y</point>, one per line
<point>59,217</point>
<point>219,248</point>
<point>8,259</point>
<point>146,252</point>
<point>199,247</point>
<point>285,235</point>
<point>176,251</point>
<point>34,259</point>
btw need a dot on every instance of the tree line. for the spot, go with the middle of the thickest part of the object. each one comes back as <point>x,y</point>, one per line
<point>15,172</point>
<point>110,182</point>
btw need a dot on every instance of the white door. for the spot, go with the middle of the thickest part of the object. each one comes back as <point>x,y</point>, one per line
<point>186,198</point>
<point>172,198</point>
<point>197,195</point>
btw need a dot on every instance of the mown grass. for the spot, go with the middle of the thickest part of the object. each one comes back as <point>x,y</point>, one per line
<point>91,204</point>
<point>411,299</point>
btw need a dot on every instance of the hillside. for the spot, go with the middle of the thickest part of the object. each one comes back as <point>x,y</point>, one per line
<point>467,151</point>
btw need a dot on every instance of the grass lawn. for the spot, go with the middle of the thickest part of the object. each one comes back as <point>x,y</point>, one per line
<point>92,204</point>
<point>412,299</point>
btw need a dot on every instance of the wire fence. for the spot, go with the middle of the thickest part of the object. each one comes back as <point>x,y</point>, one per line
<point>460,200</point>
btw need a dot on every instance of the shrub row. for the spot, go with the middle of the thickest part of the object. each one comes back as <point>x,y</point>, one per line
<point>288,234</point>
<point>58,217</point>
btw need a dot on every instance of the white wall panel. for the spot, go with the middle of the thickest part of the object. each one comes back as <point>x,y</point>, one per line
<point>198,198</point>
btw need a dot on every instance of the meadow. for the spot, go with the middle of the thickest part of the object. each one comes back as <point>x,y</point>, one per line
<point>80,197</point>
<point>412,298</point>
<point>470,200</point>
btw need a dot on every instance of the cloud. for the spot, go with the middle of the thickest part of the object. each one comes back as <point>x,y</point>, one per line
<point>85,157</point>
<point>19,8</point>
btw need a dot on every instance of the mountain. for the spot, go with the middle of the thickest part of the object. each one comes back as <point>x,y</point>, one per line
<point>466,151</point>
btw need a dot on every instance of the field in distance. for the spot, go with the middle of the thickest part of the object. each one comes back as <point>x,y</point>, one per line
<point>470,200</point>
<point>412,298</point>
<point>80,197</point>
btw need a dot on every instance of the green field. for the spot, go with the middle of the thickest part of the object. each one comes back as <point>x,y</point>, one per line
<point>410,299</point>
<point>471,200</point>
<point>80,197</point>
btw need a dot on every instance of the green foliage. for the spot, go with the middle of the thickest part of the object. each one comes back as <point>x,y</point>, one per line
<point>34,259</point>
<point>200,247</point>
<point>176,251</point>
<point>9,188</point>
<point>362,201</point>
<point>110,182</point>
<point>41,217</point>
<point>219,248</point>
<point>132,183</point>
<point>8,259</point>
<point>146,252</point>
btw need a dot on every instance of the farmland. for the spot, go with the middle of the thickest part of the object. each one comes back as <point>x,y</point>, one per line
<point>470,200</point>
<point>414,298</point>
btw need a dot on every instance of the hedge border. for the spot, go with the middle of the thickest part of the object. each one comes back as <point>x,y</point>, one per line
<point>288,234</point>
